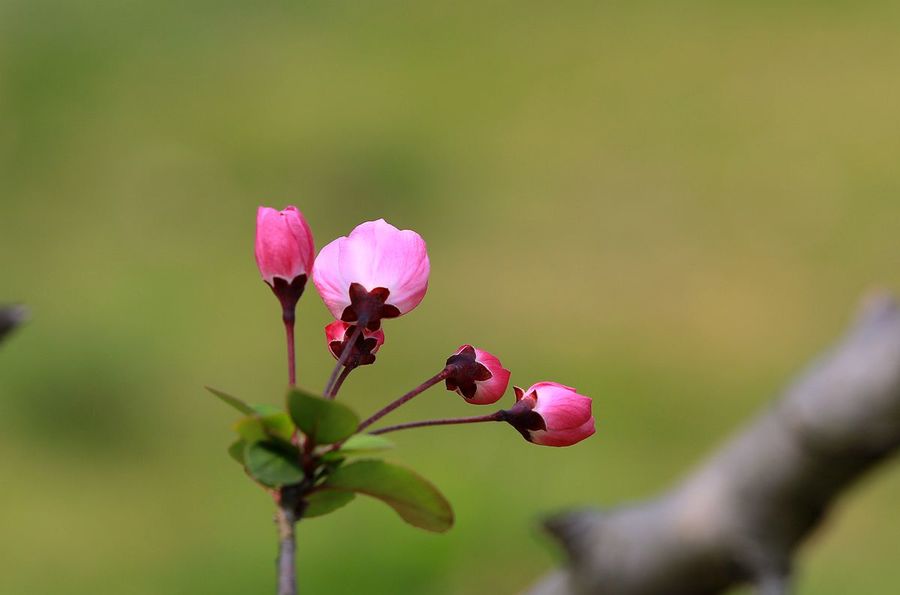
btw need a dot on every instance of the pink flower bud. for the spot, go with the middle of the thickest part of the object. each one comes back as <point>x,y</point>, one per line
<point>551,414</point>
<point>284,252</point>
<point>338,333</point>
<point>476,375</point>
<point>284,244</point>
<point>376,272</point>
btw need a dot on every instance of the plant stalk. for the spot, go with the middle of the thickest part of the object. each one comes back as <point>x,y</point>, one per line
<point>288,318</point>
<point>496,416</point>
<point>345,355</point>
<point>419,389</point>
<point>287,551</point>
<point>340,381</point>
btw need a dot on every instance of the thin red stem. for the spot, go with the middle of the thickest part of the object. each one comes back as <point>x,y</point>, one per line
<point>292,359</point>
<point>497,416</point>
<point>340,380</point>
<point>419,389</point>
<point>345,355</point>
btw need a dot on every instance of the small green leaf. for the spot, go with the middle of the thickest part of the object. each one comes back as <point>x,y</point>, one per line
<point>272,464</point>
<point>276,425</point>
<point>325,501</point>
<point>265,409</point>
<point>325,421</point>
<point>414,498</point>
<point>236,451</point>
<point>276,422</point>
<point>250,429</point>
<point>359,444</point>
<point>233,401</point>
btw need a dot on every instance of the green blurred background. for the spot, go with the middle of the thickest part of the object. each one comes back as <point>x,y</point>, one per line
<point>671,206</point>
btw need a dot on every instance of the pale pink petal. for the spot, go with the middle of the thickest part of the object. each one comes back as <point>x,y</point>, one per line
<point>303,235</point>
<point>560,406</point>
<point>377,335</point>
<point>564,437</point>
<point>330,284</point>
<point>491,390</point>
<point>336,331</point>
<point>375,254</point>
<point>548,384</point>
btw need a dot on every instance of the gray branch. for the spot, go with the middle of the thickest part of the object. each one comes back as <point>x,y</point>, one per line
<point>10,318</point>
<point>741,516</point>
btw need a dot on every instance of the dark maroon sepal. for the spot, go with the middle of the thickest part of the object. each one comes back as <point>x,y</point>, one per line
<point>288,293</point>
<point>361,353</point>
<point>464,370</point>
<point>369,307</point>
<point>524,419</point>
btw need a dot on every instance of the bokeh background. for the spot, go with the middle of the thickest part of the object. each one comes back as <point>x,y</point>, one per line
<point>671,206</point>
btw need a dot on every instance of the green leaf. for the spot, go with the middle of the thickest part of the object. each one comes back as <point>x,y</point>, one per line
<point>276,422</point>
<point>325,421</point>
<point>251,429</point>
<point>275,425</point>
<point>233,401</point>
<point>272,464</point>
<point>236,451</point>
<point>414,498</point>
<point>265,409</point>
<point>359,444</point>
<point>326,501</point>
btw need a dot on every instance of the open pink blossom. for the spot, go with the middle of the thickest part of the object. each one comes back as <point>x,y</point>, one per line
<point>476,375</point>
<point>552,414</point>
<point>376,272</point>
<point>367,344</point>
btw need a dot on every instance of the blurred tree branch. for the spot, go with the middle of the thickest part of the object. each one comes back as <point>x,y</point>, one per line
<point>10,318</point>
<point>741,516</point>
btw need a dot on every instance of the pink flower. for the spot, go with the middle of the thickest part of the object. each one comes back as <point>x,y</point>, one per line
<point>476,375</point>
<point>551,414</point>
<point>284,244</point>
<point>284,254</point>
<point>338,333</point>
<point>376,272</point>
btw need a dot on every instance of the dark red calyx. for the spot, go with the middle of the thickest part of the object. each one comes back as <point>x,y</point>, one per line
<point>464,370</point>
<point>361,352</point>
<point>523,418</point>
<point>369,307</point>
<point>288,293</point>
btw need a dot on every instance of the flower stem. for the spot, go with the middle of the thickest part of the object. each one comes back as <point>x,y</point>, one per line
<point>419,389</point>
<point>288,319</point>
<point>497,416</point>
<point>340,380</point>
<point>287,549</point>
<point>345,355</point>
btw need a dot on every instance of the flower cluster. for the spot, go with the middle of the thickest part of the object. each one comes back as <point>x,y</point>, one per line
<point>307,456</point>
<point>379,272</point>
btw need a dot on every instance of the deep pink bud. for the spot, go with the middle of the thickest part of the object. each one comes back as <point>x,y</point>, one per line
<point>284,252</point>
<point>376,272</point>
<point>338,333</point>
<point>476,375</point>
<point>551,414</point>
<point>284,244</point>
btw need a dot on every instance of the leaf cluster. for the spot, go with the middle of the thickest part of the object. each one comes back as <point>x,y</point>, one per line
<point>309,453</point>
